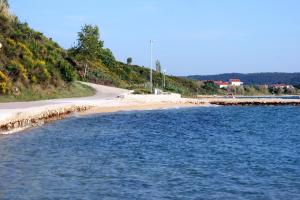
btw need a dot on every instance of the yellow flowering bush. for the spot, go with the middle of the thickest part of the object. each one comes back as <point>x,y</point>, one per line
<point>3,83</point>
<point>19,70</point>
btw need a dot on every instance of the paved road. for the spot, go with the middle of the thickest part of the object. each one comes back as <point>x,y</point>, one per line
<point>102,93</point>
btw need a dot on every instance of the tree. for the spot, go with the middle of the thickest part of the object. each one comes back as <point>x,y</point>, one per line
<point>158,66</point>
<point>89,44</point>
<point>107,58</point>
<point>210,87</point>
<point>129,61</point>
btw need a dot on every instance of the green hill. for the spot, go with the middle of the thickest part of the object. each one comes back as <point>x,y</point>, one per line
<point>33,66</point>
<point>268,78</point>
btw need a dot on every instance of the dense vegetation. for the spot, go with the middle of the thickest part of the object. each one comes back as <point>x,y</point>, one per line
<point>255,78</point>
<point>30,62</point>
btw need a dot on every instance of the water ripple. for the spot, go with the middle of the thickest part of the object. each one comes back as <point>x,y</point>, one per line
<point>194,153</point>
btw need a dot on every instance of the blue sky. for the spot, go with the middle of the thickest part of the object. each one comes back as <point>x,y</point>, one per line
<point>191,37</point>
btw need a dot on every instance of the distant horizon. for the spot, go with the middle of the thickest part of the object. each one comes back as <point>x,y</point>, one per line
<point>242,73</point>
<point>208,37</point>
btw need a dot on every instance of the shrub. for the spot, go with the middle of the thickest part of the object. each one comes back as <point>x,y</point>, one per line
<point>41,72</point>
<point>107,58</point>
<point>67,72</point>
<point>18,70</point>
<point>11,42</point>
<point>25,50</point>
<point>3,83</point>
<point>29,62</point>
<point>33,79</point>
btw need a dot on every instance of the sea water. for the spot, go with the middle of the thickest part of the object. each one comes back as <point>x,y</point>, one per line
<point>190,153</point>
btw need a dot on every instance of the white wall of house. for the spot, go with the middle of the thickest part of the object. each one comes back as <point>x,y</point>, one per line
<point>236,83</point>
<point>223,86</point>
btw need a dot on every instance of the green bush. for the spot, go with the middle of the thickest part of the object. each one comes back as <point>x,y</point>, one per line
<point>67,72</point>
<point>41,72</point>
<point>3,83</point>
<point>18,70</point>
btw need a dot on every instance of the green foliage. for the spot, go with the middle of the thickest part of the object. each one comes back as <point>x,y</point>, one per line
<point>129,61</point>
<point>3,83</point>
<point>39,92</point>
<point>107,58</point>
<point>67,72</point>
<point>89,43</point>
<point>28,57</point>
<point>17,70</point>
<point>210,87</point>
<point>41,72</point>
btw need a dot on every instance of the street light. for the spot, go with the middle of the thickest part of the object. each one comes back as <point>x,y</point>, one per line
<point>151,78</point>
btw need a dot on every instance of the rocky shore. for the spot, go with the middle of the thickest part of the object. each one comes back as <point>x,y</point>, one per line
<point>36,117</point>
<point>253,102</point>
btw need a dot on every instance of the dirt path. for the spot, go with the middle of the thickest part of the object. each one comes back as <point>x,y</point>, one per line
<point>102,93</point>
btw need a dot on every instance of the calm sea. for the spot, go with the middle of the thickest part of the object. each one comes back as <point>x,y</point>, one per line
<point>195,153</point>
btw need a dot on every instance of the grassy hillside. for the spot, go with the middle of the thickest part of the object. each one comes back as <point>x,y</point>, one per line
<point>31,63</point>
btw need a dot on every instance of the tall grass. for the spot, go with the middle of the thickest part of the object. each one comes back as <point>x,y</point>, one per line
<point>36,92</point>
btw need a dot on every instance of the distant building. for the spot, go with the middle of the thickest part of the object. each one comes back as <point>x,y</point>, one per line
<point>282,86</point>
<point>235,82</point>
<point>221,84</point>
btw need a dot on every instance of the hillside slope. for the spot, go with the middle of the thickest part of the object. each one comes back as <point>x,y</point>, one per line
<point>31,63</point>
<point>32,66</point>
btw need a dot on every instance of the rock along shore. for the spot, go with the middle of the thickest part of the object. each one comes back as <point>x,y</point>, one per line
<point>253,102</point>
<point>27,118</point>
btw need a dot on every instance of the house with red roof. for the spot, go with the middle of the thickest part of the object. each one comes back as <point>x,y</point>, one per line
<point>282,86</point>
<point>236,82</point>
<point>221,84</point>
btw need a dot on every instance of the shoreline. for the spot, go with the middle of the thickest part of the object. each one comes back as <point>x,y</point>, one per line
<point>29,118</point>
<point>17,117</point>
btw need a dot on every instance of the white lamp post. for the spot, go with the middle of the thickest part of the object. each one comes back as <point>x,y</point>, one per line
<point>165,78</point>
<point>151,78</point>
